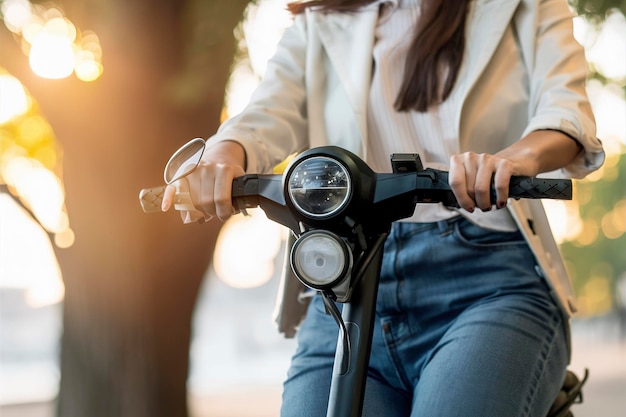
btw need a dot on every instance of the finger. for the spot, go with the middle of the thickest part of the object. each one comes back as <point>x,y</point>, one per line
<point>223,190</point>
<point>482,187</point>
<point>201,186</point>
<point>168,198</point>
<point>501,181</point>
<point>470,166</point>
<point>457,178</point>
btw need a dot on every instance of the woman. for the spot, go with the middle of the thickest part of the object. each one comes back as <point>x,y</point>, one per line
<point>473,304</point>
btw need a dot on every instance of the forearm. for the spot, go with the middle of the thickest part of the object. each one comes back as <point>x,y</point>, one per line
<point>541,151</point>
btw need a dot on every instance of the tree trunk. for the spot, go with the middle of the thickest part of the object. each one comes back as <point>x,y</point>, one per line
<point>131,278</point>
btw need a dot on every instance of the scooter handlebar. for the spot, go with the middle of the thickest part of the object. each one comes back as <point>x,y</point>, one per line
<point>520,187</point>
<point>525,187</point>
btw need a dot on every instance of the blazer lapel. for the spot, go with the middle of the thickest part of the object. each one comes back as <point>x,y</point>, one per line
<point>487,22</point>
<point>348,39</point>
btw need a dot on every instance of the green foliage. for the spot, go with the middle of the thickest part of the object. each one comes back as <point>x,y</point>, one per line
<point>596,258</point>
<point>598,10</point>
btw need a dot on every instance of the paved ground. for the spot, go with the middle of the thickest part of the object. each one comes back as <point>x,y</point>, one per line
<point>242,375</point>
<point>28,410</point>
<point>604,395</point>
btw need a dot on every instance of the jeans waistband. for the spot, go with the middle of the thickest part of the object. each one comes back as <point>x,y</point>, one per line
<point>415,227</point>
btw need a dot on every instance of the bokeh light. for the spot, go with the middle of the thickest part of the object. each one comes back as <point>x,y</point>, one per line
<point>28,259</point>
<point>29,159</point>
<point>40,189</point>
<point>246,251</point>
<point>254,238</point>
<point>605,48</point>
<point>13,98</point>
<point>16,14</point>
<point>55,47</point>
<point>32,204</point>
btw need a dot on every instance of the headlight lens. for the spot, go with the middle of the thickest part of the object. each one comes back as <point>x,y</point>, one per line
<point>319,186</point>
<point>320,258</point>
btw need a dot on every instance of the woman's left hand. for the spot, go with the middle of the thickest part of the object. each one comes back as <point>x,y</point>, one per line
<point>540,151</point>
<point>471,177</point>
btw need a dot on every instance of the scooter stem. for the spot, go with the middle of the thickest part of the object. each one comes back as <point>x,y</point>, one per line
<point>350,373</point>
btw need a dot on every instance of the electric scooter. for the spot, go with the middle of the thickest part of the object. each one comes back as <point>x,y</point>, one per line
<point>340,213</point>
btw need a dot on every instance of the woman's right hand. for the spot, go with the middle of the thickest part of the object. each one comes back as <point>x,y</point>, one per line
<point>210,185</point>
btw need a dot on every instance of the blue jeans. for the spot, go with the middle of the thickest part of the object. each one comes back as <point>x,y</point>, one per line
<point>465,327</point>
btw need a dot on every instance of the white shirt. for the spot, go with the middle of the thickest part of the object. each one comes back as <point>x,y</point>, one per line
<point>431,134</point>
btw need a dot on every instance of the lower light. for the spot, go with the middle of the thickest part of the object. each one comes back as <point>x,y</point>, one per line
<point>320,259</point>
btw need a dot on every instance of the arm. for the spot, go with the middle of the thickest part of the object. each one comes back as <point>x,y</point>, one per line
<point>274,124</point>
<point>540,151</point>
<point>558,71</point>
<point>560,132</point>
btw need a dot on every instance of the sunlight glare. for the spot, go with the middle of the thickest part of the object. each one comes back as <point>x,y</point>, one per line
<point>564,219</point>
<point>43,191</point>
<point>90,42</point>
<point>16,14</point>
<point>33,131</point>
<point>62,28</point>
<point>13,99</point>
<point>65,238</point>
<point>40,189</point>
<point>247,245</point>
<point>87,68</point>
<point>609,108</point>
<point>265,24</point>
<point>246,248</point>
<point>608,52</point>
<point>32,29</point>
<point>52,56</point>
<point>242,84</point>
<point>28,260</point>
<point>54,46</point>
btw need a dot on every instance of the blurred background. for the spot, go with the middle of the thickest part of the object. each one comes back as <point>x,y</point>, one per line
<point>107,311</point>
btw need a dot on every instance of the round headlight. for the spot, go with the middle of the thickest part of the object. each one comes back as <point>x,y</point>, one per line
<point>320,259</point>
<point>319,186</point>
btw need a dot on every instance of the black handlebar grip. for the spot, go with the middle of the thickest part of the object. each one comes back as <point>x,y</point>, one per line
<point>533,187</point>
<point>519,187</point>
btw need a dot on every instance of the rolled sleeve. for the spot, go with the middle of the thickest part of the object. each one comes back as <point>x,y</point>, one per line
<point>591,156</point>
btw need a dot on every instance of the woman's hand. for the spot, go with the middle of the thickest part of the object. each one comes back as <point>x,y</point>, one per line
<point>210,185</point>
<point>471,173</point>
<point>471,177</point>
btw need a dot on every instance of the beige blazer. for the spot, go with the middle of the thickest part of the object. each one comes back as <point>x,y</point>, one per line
<point>522,71</point>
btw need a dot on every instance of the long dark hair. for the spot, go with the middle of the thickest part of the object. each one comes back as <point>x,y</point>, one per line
<point>436,51</point>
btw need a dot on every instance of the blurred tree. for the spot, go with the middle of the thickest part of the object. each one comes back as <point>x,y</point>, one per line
<point>132,279</point>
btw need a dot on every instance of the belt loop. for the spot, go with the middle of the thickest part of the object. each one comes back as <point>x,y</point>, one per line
<point>443,226</point>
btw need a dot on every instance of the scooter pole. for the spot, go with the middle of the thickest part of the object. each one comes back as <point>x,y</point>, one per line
<point>350,368</point>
